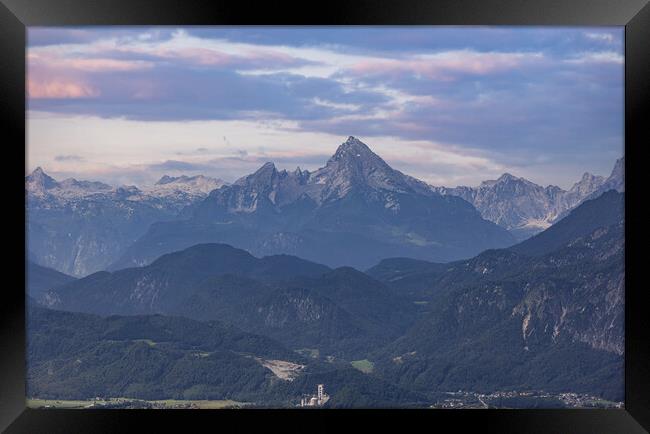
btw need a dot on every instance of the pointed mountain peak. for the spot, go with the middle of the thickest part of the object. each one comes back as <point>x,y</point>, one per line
<point>616,179</point>
<point>586,176</point>
<point>38,178</point>
<point>262,176</point>
<point>507,177</point>
<point>39,173</point>
<point>355,151</point>
<point>587,184</point>
<point>267,167</point>
<point>353,141</point>
<point>619,167</point>
<point>351,146</point>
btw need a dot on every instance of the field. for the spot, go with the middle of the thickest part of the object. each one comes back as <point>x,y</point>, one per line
<point>132,403</point>
<point>365,365</point>
<point>203,404</point>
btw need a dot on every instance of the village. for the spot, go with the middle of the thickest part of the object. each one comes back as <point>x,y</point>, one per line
<point>317,400</point>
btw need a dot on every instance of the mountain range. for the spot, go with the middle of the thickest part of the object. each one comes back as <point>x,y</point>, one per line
<point>525,208</point>
<point>356,210</point>
<point>544,314</point>
<point>79,227</point>
<point>353,211</point>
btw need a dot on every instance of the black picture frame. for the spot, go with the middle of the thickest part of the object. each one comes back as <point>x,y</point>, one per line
<point>16,15</point>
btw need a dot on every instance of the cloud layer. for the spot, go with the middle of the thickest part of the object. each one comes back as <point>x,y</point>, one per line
<point>522,99</point>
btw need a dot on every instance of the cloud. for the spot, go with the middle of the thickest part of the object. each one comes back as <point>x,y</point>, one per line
<point>604,37</point>
<point>59,89</point>
<point>597,57</point>
<point>176,165</point>
<point>506,94</point>
<point>444,65</point>
<point>173,93</point>
<point>73,158</point>
<point>50,62</point>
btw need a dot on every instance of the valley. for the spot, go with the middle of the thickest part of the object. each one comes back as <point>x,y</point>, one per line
<point>523,399</point>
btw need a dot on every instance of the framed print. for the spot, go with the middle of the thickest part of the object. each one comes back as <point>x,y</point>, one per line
<point>367,212</point>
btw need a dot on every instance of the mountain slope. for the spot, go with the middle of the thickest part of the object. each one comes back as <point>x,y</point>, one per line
<point>341,312</point>
<point>80,356</point>
<point>170,279</point>
<point>354,211</point>
<point>411,278</point>
<point>41,279</point>
<point>506,320</point>
<point>76,356</point>
<point>603,211</point>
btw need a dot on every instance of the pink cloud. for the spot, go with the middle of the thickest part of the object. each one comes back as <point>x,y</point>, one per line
<point>105,65</point>
<point>50,61</point>
<point>59,88</point>
<point>201,56</point>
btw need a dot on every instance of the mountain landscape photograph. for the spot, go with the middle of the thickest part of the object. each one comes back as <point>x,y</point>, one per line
<point>325,217</point>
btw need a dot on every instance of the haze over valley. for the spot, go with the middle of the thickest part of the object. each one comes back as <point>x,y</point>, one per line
<point>202,231</point>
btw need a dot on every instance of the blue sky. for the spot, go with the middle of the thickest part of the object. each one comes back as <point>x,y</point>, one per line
<point>449,105</point>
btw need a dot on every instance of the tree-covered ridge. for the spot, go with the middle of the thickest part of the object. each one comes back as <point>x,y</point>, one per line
<point>506,320</point>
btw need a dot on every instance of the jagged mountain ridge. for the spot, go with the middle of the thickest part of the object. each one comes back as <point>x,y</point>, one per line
<point>516,204</point>
<point>169,193</point>
<point>353,211</point>
<point>78,227</point>
<point>526,208</point>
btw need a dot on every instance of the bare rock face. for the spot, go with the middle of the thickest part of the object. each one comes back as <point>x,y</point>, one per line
<point>526,208</point>
<point>588,307</point>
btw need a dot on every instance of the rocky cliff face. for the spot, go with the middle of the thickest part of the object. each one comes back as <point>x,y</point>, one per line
<point>526,208</point>
<point>589,307</point>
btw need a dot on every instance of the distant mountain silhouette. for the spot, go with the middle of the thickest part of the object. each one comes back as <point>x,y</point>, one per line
<point>354,211</point>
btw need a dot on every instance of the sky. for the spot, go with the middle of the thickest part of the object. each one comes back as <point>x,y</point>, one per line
<point>449,105</point>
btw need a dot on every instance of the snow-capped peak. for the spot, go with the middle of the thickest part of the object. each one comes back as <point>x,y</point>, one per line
<point>198,185</point>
